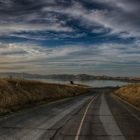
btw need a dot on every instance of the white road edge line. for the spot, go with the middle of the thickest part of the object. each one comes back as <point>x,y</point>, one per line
<point>83,118</point>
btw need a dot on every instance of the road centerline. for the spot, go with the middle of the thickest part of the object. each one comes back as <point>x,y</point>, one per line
<point>83,118</point>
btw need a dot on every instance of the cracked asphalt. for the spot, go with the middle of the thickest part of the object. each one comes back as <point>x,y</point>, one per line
<point>93,116</point>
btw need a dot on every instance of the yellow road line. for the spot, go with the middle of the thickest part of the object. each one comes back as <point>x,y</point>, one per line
<point>83,118</point>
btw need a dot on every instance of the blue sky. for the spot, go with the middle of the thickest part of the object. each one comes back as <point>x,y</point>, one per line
<point>100,37</point>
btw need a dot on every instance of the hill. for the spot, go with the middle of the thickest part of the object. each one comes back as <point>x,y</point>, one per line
<point>18,93</point>
<point>130,93</point>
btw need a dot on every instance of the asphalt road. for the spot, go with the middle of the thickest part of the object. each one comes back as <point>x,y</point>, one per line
<point>94,116</point>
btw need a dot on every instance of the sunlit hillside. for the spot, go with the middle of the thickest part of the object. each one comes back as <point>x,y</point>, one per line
<point>17,93</point>
<point>130,93</point>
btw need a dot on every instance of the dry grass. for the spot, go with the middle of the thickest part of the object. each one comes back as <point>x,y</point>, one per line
<point>130,93</point>
<point>17,93</point>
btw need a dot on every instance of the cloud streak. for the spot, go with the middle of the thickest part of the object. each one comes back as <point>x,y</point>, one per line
<point>68,57</point>
<point>29,16</point>
<point>71,35</point>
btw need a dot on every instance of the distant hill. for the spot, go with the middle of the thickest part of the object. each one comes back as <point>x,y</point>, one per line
<point>21,75</point>
<point>70,77</point>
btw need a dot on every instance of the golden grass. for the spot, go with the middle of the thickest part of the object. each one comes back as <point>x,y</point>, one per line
<point>16,93</point>
<point>130,93</point>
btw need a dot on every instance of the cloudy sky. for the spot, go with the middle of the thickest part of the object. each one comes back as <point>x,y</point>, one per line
<point>70,36</point>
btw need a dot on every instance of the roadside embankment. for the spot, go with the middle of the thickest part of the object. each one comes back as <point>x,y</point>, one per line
<point>17,93</point>
<point>130,93</point>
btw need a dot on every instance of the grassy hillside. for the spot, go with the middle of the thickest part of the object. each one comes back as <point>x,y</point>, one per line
<point>17,93</point>
<point>130,93</point>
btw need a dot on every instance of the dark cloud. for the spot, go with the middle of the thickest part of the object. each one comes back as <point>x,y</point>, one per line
<point>84,15</point>
<point>46,24</point>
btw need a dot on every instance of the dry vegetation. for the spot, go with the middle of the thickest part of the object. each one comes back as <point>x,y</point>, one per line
<point>17,93</point>
<point>130,93</point>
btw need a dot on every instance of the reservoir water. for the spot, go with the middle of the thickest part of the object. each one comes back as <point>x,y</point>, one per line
<point>93,83</point>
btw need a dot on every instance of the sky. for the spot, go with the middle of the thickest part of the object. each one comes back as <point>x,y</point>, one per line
<point>99,37</point>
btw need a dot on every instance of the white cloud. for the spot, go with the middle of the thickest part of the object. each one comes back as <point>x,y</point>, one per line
<point>14,28</point>
<point>115,20</point>
<point>126,5</point>
<point>26,57</point>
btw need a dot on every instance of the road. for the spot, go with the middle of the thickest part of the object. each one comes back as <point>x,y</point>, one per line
<point>93,116</point>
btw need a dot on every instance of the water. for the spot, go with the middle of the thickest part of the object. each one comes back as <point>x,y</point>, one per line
<point>93,83</point>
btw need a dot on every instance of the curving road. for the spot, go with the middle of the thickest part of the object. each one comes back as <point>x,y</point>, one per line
<point>93,116</point>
